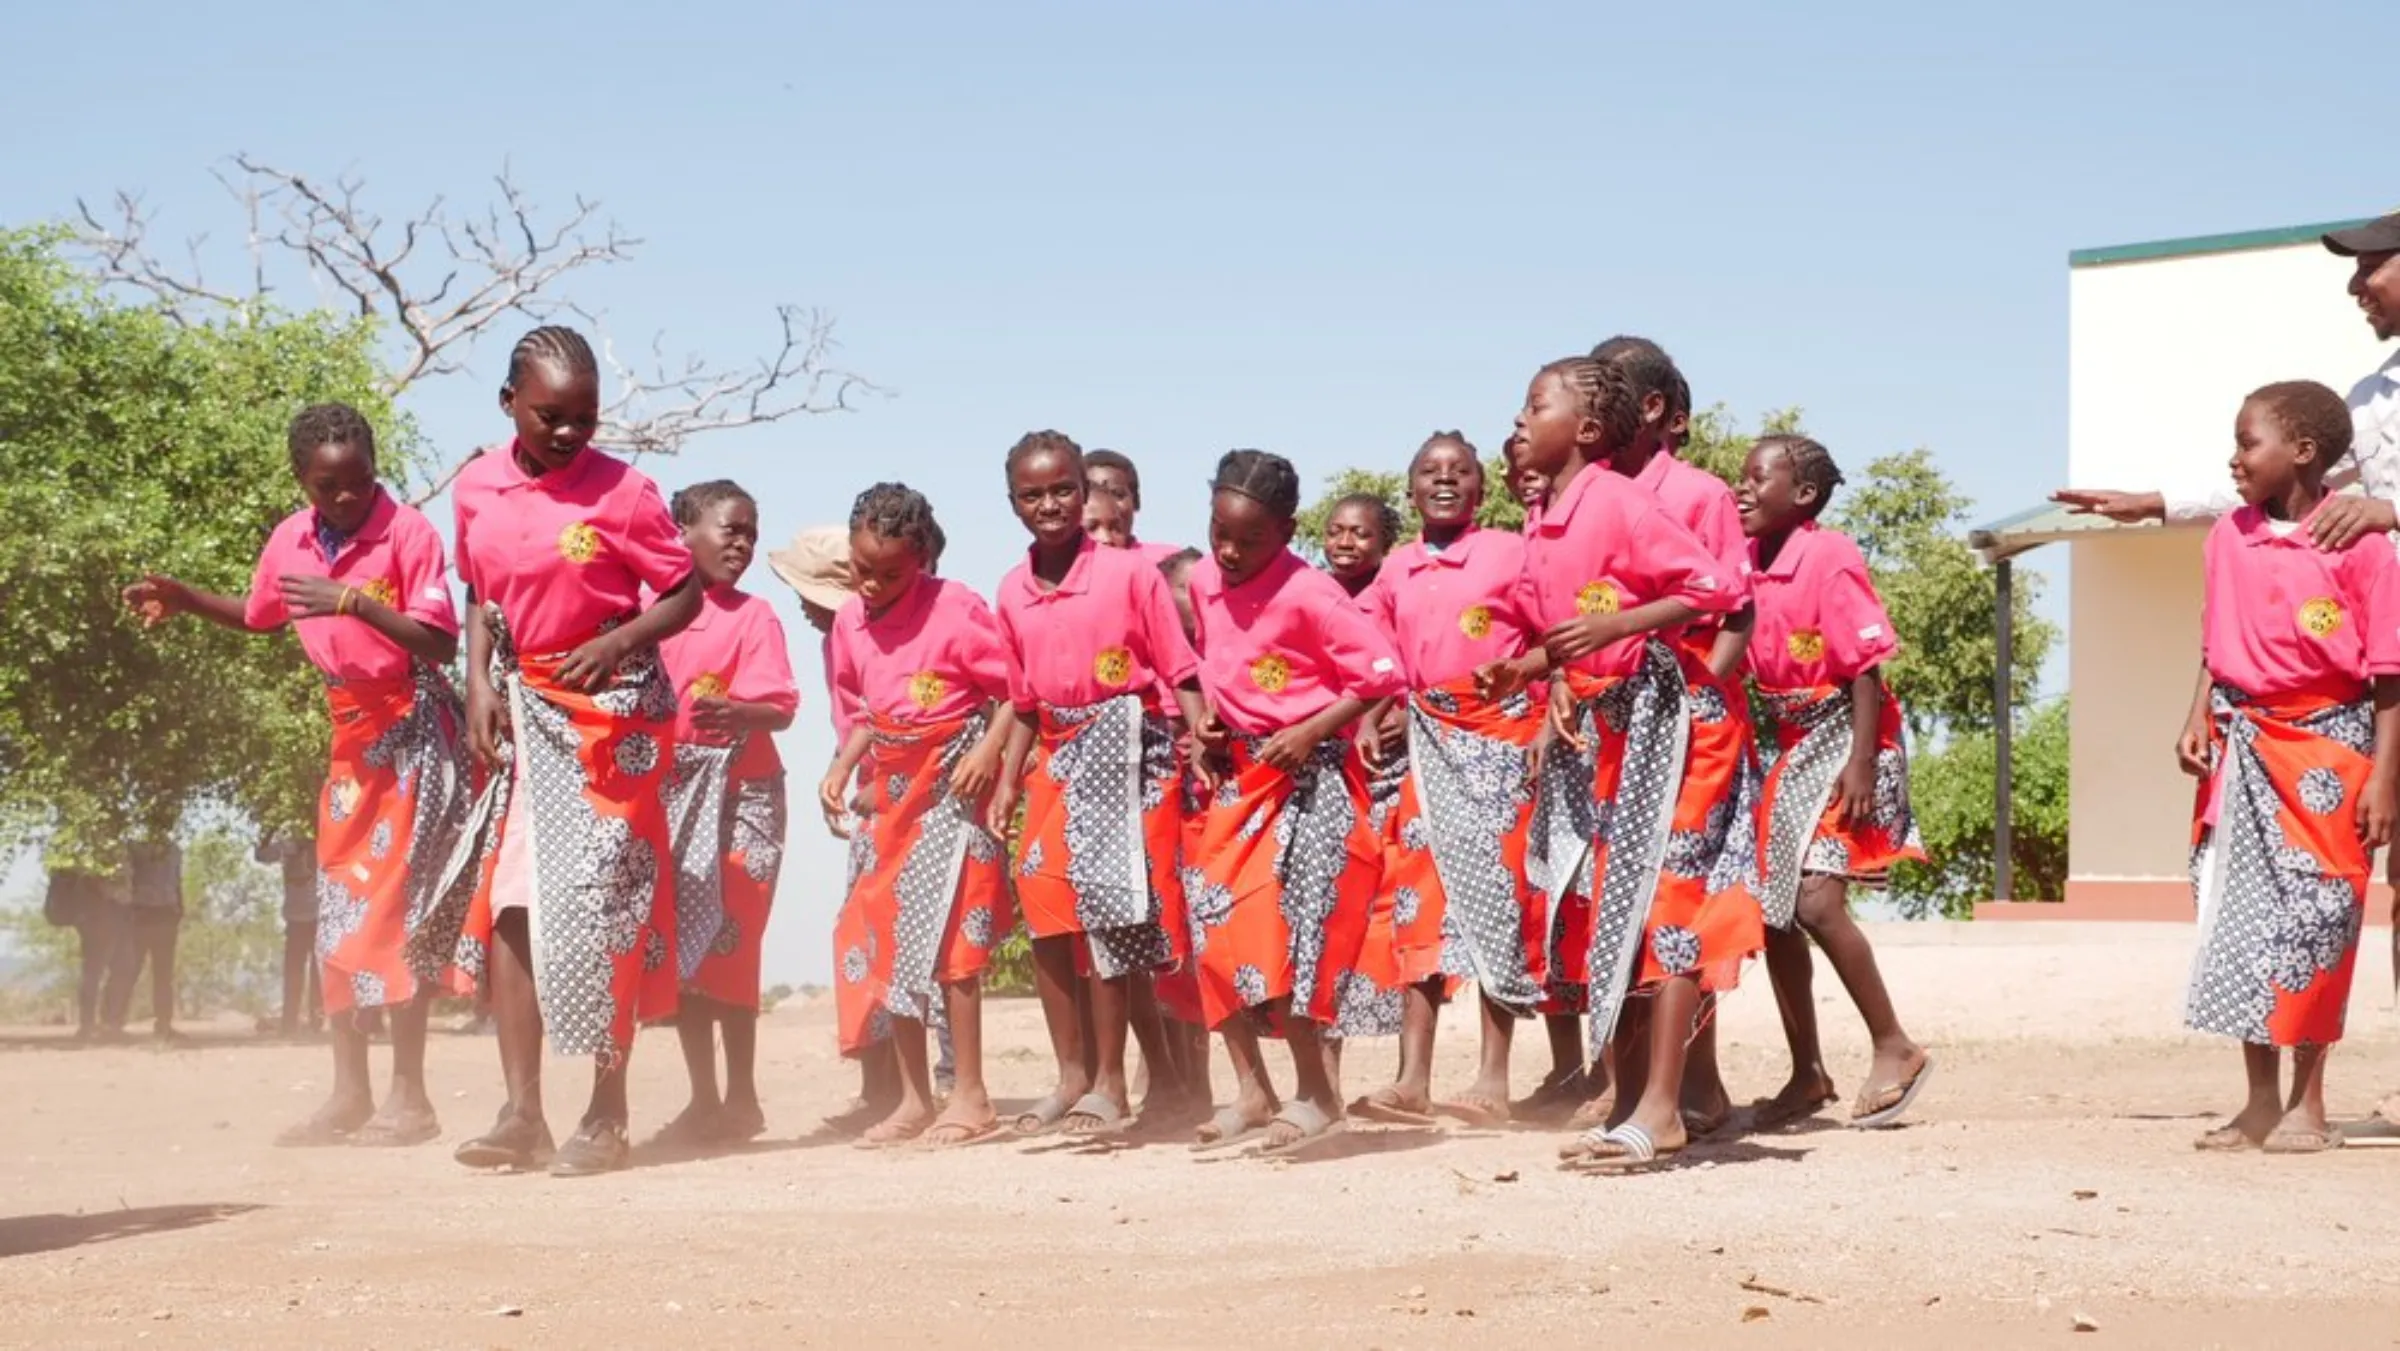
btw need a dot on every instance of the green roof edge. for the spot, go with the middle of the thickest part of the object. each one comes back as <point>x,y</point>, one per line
<point>2204,244</point>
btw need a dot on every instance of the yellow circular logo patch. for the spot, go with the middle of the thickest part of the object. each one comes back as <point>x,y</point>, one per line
<point>579,543</point>
<point>926,689</point>
<point>1475,621</point>
<point>1113,667</point>
<point>1805,645</point>
<point>1597,598</point>
<point>1271,673</point>
<point>347,793</point>
<point>2322,617</point>
<point>382,592</point>
<point>710,685</point>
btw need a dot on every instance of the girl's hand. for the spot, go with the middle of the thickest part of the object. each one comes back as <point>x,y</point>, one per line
<point>590,666</point>
<point>713,714</point>
<point>1562,718</point>
<point>1369,740</point>
<point>311,597</point>
<point>829,801</point>
<point>2192,751</point>
<point>1538,755</point>
<point>1289,749</point>
<point>1210,731</point>
<point>487,721</point>
<point>157,598</point>
<point>1854,792</point>
<point>1581,637</point>
<point>976,773</point>
<point>1004,807</point>
<point>1497,680</point>
<point>2375,812</point>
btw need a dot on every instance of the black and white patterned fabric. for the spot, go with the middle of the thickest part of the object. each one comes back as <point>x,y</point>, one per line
<point>1106,774</point>
<point>1567,821</point>
<point>428,750</point>
<point>927,886</point>
<point>1471,789</point>
<point>1312,849</point>
<point>1362,1008</point>
<point>2271,918</point>
<point>1648,707</point>
<point>700,827</point>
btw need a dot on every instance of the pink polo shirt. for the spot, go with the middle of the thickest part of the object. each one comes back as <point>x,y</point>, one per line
<point>1701,503</point>
<point>2283,615</point>
<point>1453,611</point>
<point>845,716</point>
<point>1108,629</point>
<point>395,556</point>
<point>733,650</point>
<point>934,655</point>
<point>1282,646</point>
<point>563,553</point>
<point>1819,621</point>
<point>1606,545</point>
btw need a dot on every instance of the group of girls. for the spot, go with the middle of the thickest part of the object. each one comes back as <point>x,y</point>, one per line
<point>1232,792</point>
<point>589,838</point>
<point>1227,791</point>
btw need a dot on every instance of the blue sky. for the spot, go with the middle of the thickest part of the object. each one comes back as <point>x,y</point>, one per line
<point>1321,229</point>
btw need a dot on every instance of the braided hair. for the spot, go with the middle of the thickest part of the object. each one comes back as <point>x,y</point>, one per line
<point>1110,459</point>
<point>553,345</point>
<point>691,504</point>
<point>1452,438</point>
<point>897,511</point>
<point>1812,464</point>
<point>1646,363</point>
<point>1387,517</point>
<point>2308,411</point>
<point>325,424</point>
<point>1264,478</point>
<point>1034,443</point>
<point>1604,393</point>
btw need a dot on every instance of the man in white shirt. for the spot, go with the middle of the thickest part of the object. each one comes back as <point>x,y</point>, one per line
<point>2373,465</point>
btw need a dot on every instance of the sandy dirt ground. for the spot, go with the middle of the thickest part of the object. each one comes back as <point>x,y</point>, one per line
<point>2047,1178</point>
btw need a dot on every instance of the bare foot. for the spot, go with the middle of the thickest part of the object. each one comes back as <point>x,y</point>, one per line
<point>965,1120</point>
<point>332,1124</point>
<point>695,1127</point>
<point>1890,1079</point>
<point>1803,1096</point>
<point>741,1121</point>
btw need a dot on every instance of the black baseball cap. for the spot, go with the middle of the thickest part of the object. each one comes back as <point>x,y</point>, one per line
<point>2376,236</point>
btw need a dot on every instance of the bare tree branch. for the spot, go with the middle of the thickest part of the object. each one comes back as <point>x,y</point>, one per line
<point>655,412</point>
<point>505,260</point>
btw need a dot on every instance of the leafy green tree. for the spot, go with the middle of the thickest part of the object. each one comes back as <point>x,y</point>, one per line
<point>1951,788</point>
<point>130,444</point>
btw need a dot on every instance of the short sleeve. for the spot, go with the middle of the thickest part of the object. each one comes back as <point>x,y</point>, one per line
<point>2372,574</point>
<point>1858,633</point>
<point>424,575</point>
<point>1720,532</point>
<point>463,516</point>
<point>844,679</point>
<point>1665,562</point>
<point>1169,652</point>
<point>650,544</point>
<point>264,609</point>
<point>1020,684</point>
<point>762,668</point>
<point>1363,662</point>
<point>984,656</point>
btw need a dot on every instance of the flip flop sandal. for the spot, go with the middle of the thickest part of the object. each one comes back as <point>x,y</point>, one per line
<point>1593,1114</point>
<point>1476,1111</point>
<point>1885,1116</point>
<point>884,1135</point>
<point>1628,1148</point>
<point>2373,1133</point>
<point>961,1134</point>
<point>416,1130</point>
<point>1308,1119</point>
<point>2225,1140</point>
<point>1383,1105</point>
<point>1105,1118</point>
<point>502,1147</point>
<point>1044,1115</point>
<point>2303,1142</point>
<point>1232,1129</point>
<point>597,1147</point>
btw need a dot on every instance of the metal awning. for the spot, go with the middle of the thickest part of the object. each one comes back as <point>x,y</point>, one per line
<point>2034,527</point>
